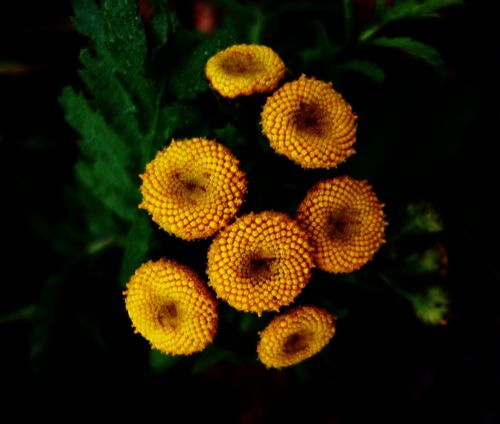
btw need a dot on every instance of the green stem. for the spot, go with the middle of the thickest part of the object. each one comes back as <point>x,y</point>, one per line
<point>255,33</point>
<point>347,19</point>
<point>99,245</point>
<point>152,133</point>
<point>23,314</point>
<point>393,286</point>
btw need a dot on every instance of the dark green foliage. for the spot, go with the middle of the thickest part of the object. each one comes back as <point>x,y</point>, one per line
<point>103,171</point>
<point>366,68</point>
<point>188,79</point>
<point>414,48</point>
<point>406,9</point>
<point>123,117</point>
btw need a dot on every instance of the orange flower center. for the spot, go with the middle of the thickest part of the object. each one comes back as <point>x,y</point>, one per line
<point>168,315</point>
<point>239,63</point>
<point>308,119</point>
<point>295,343</point>
<point>193,188</point>
<point>342,225</point>
<point>258,268</point>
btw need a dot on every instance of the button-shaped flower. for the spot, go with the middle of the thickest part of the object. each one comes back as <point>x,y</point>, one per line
<point>193,188</point>
<point>260,262</point>
<point>310,123</point>
<point>294,336</point>
<point>345,221</point>
<point>244,69</point>
<point>171,307</point>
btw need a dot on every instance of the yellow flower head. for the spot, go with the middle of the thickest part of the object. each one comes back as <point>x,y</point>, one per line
<point>171,307</point>
<point>193,188</point>
<point>345,221</point>
<point>260,262</point>
<point>297,335</point>
<point>310,123</point>
<point>244,69</point>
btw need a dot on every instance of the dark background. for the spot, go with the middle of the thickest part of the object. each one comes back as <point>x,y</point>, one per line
<point>64,330</point>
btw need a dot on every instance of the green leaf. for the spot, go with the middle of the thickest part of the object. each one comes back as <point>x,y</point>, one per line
<point>159,362</point>
<point>422,218</point>
<point>100,180</point>
<point>125,37</point>
<point>109,93</point>
<point>120,119</point>
<point>161,22</point>
<point>366,68</point>
<point>410,9</point>
<point>427,262</point>
<point>414,48</point>
<point>135,246</point>
<point>188,78</point>
<point>432,307</point>
<point>22,314</point>
<point>103,168</point>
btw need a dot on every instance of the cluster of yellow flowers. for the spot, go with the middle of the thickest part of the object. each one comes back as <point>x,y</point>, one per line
<point>259,261</point>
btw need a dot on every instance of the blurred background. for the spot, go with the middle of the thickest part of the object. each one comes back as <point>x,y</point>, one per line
<point>427,141</point>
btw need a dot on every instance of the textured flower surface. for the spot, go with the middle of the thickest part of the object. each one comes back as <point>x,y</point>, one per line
<point>310,123</point>
<point>171,307</point>
<point>244,69</point>
<point>260,262</point>
<point>297,335</point>
<point>345,221</point>
<point>193,188</point>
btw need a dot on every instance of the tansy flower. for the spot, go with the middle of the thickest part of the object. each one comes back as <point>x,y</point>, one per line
<point>260,262</point>
<point>345,221</point>
<point>310,123</point>
<point>297,335</point>
<point>244,69</point>
<point>193,188</point>
<point>171,307</point>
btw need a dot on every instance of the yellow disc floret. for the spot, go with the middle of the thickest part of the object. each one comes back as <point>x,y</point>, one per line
<point>244,69</point>
<point>345,221</point>
<point>193,188</point>
<point>310,123</point>
<point>260,262</point>
<point>297,335</point>
<point>171,307</point>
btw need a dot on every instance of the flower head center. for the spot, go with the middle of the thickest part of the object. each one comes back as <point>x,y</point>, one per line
<point>192,187</point>
<point>168,315</point>
<point>259,267</point>
<point>342,225</point>
<point>239,63</point>
<point>295,343</point>
<point>308,119</point>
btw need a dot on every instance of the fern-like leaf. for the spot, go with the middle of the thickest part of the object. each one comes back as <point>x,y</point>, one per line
<point>414,48</point>
<point>409,9</point>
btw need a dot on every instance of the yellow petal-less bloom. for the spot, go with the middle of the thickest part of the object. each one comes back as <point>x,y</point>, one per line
<point>244,69</point>
<point>310,123</point>
<point>260,262</point>
<point>294,336</point>
<point>345,221</point>
<point>193,188</point>
<point>171,307</point>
